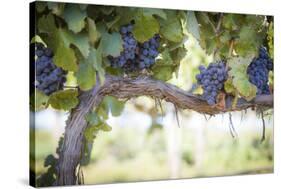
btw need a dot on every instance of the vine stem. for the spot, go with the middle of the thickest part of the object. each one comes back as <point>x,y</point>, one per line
<point>231,46</point>
<point>70,87</point>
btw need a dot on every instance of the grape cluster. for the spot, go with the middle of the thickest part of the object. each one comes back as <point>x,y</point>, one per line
<point>49,77</point>
<point>148,52</point>
<point>258,71</point>
<point>135,56</point>
<point>129,46</point>
<point>212,79</point>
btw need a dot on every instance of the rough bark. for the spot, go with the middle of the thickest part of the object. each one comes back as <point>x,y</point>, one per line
<point>128,88</point>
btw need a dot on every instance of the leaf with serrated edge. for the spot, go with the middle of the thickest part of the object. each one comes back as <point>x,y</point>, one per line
<point>38,39</point>
<point>74,17</point>
<point>238,73</point>
<point>171,29</point>
<point>145,27</point>
<point>46,24</point>
<point>64,100</point>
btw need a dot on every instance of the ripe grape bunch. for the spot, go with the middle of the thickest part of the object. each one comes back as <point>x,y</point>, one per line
<point>49,77</point>
<point>258,71</point>
<point>135,56</point>
<point>129,46</point>
<point>212,79</point>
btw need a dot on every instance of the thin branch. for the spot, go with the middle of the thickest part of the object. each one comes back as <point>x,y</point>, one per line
<point>218,28</point>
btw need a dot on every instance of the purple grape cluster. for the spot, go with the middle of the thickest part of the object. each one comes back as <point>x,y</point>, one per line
<point>49,77</point>
<point>135,56</point>
<point>212,79</point>
<point>129,46</point>
<point>258,71</point>
<point>148,52</point>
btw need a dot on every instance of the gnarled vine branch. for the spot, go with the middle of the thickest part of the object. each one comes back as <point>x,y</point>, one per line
<point>128,88</point>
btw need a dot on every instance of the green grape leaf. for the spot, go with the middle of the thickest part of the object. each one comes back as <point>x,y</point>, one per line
<point>171,28</point>
<point>93,119</point>
<point>164,58</point>
<point>232,21</point>
<point>56,8</point>
<point>126,15</point>
<point>111,44</point>
<point>113,22</point>
<point>86,76</point>
<point>41,100</point>
<point>94,34</point>
<point>249,41</point>
<point>64,100</point>
<point>64,54</point>
<point>113,105</point>
<point>74,17</point>
<point>145,27</point>
<point>192,25</point>
<point>80,40</point>
<point>65,57</point>
<point>228,86</point>
<point>163,73</point>
<point>105,127</point>
<point>238,73</point>
<point>38,39</point>
<point>95,59</point>
<point>207,34</point>
<point>46,24</point>
<point>157,12</point>
<point>90,133</point>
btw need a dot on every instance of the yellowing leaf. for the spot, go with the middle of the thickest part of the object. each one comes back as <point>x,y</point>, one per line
<point>239,77</point>
<point>64,100</point>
